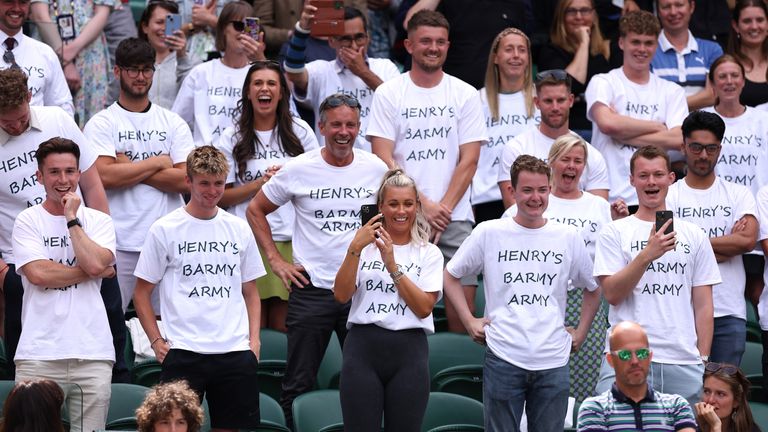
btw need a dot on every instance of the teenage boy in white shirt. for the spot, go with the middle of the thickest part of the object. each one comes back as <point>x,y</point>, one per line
<point>527,262</point>
<point>205,262</point>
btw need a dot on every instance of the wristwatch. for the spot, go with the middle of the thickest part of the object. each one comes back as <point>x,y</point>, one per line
<point>73,222</point>
<point>396,276</point>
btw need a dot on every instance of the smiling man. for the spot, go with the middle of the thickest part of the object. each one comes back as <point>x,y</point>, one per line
<point>630,107</point>
<point>527,262</point>
<point>660,280</point>
<point>142,150</point>
<point>632,404</point>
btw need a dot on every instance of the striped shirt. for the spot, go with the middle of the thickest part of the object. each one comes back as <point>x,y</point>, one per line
<point>613,411</point>
<point>689,67</point>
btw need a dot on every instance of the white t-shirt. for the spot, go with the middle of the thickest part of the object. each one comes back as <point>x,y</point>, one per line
<point>19,188</point>
<point>376,299</point>
<point>267,154</point>
<point>329,77</point>
<point>199,266</point>
<point>61,322</point>
<point>744,156</point>
<point>715,210</point>
<point>657,100</point>
<point>45,77</point>
<point>532,142</point>
<point>207,99</point>
<point>512,120</point>
<point>327,201</point>
<point>762,211</point>
<point>526,275</point>
<point>588,214</point>
<point>427,126</point>
<point>139,136</point>
<point>661,301</point>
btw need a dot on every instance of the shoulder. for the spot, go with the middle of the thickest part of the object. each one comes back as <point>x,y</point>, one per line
<point>364,158</point>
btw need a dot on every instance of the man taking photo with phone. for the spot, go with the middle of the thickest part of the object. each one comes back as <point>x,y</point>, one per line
<point>659,280</point>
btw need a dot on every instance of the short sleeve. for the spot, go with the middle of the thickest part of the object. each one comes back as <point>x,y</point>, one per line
<point>471,120</point>
<point>510,152</point>
<point>599,90</point>
<point>154,257</point>
<point>27,246</point>
<point>382,121</point>
<point>278,188</point>
<point>597,171</point>
<point>706,271</point>
<point>182,143</point>
<point>468,259</point>
<point>98,130</point>
<point>609,258</point>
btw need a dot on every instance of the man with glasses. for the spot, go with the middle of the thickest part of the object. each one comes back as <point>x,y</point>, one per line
<point>632,403</point>
<point>38,61</point>
<point>682,58</point>
<point>352,72</point>
<point>726,212</point>
<point>326,186</point>
<point>554,100</point>
<point>660,278</point>
<point>630,107</point>
<point>142,150</point>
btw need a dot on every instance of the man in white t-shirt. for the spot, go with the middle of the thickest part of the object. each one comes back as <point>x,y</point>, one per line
<point>726,212</point>
<point>630,107</point>
<point>36,59</point>
<point>527,262</point>
<point>205,262</point>
<point>352,72</point>
<point>326,186</point>
<point>554,100</point>
<point>432,125</point>
<point>142,150</point>
<point>23,127</point>
<point>660,279</point>
<point>63,250</point>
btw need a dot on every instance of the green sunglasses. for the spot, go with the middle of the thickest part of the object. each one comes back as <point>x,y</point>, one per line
<point>626,355</point>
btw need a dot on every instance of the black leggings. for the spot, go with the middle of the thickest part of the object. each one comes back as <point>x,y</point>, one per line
<point>384,372</point>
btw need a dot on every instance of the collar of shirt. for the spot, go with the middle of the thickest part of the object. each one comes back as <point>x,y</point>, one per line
<point>621,397</point>
<point>18,36</point>
<point>665,45</point>
<point>339,66</point>
<point>34,123</point>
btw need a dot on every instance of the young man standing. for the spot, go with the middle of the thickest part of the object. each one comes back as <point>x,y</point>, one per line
<point>527,262</point>
<point>205,263</point>
<point>62,250</point>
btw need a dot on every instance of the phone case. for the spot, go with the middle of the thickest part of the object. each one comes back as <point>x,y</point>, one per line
<point>252,27</point>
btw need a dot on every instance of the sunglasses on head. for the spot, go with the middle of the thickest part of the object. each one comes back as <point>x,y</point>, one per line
<point>557,75</point>
<point>338,100</point>
<point>626,355</point>
<point>713,367</point>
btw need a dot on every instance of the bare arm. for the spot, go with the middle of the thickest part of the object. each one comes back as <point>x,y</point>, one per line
<point>39,13</point>
<point>93,258</point>
<point>88,33</point>
<point>671,139</point>
<point>344,286</point>
<point>620,127</point>
<point>116,175</point>
<point>234,195</point>
<point>469,153</point>
<point>701,99</point>
<point>602,193</point>
<point>169,179</point>
<point>143,304</point>
<point>46,273</point>
<point>578,66</point>
<point>93,191</point>
<point>253,307</point>
<point>384,148</point>
<point>589,305</point>
<point>703,311</point>
<point>741,240</point>
<point>454,292</point>
<point>421,4</point>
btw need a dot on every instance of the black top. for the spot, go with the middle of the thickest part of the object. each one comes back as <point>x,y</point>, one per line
<point>554,57</point>
<point>754,93</point>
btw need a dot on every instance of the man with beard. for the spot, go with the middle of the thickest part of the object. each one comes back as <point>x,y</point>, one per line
<point>432,125</point>
<point>660,278</point>
<point>142,151</point>
<point>633,404</point>
<point>554,100</point>
<point>727,213</point>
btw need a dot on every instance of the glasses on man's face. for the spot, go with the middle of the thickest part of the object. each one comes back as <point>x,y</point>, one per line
<point>713,367</point>
<point>578,11</point>
<point>346,40</point>
<point>239,26</point>
<point>696,148</point>
<point>626,355</point>
<point>338,100</point>
<point>133,72</point>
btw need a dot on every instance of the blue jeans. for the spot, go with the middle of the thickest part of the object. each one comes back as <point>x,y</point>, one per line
<point>507,387</point>
<point>729,340</point>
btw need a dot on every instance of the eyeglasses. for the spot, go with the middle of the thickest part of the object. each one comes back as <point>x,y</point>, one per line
<point>697,148</point>
<point>713,367</point>
<point>579,11</point>
<point>626,355</point>
<point>337,100</point>
<point>553,75</point>
<point>239,26</point>
<point>133,72</point>
<point>265,63</point>
<point>346,40</point>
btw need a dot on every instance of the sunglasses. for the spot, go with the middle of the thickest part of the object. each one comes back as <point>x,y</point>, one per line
<point>713,367</point>
<point>557,75</point>
<point>239,26</point>
<point>337,100</point>
<point>626,355</point>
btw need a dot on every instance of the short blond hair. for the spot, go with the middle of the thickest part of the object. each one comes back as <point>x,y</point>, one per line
<point>207,160</point>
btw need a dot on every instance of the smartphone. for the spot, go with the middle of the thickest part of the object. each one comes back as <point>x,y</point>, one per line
<point>329,18</point>
<point>252,27</point>
<point>662,217</point>
<point>200,2</point>
<point>368,211</point>
<point>172,23</point>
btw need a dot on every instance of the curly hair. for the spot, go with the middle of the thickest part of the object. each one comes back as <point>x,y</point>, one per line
<point>13,87</point>
<point>206,160</point>
<point>639,22</point>
<point>163,399</point>
<point>531,164</point>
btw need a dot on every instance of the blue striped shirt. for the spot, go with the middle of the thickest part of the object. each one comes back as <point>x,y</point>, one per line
<point>613,411</point>
<point>689,67</point>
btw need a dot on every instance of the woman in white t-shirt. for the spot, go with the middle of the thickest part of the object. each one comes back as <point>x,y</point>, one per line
<point>265,137</point>
<point>394,276</point>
